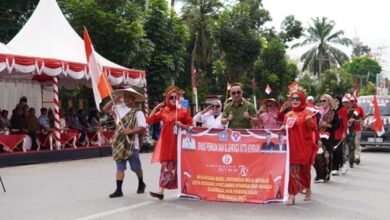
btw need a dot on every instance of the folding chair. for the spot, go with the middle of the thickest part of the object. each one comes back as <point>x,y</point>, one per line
<point>2,184</point>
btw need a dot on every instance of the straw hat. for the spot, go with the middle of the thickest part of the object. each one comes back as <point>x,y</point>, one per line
<point>137,95</point>
<point>264,102</point>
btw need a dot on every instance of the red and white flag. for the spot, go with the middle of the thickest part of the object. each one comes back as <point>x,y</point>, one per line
<point>100,85</point>
<point>293,85</point>
<point>324,135</point>
<point>377,124</point>
<point>355,89</point>
<point>268,89</point>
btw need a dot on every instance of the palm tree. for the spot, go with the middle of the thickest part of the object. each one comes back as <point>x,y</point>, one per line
<point>323,54</point>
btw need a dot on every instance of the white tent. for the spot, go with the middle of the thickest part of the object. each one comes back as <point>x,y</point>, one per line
<point>48,45</point>
<point>48,49</point>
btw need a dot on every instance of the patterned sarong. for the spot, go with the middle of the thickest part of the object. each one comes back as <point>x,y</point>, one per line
<point>122,146</point>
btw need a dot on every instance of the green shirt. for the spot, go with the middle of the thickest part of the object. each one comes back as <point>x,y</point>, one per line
<point>238,120</point>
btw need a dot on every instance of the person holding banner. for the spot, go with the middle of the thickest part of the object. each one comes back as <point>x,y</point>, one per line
<point>302,125</point>
<point>126,143</point>
<point>210,117</point>
<point>165,152</point>
<point>239,113</point>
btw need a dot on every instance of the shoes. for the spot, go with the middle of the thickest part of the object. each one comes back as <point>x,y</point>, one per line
<point>357,161</point>
<point>307,195</point>
<point>157,195</point>
<point>116,194</point>
<point>327,178</point>
<point>141,188</point>
<point>317,180</point>
<point>351,164</point>
<point>335,173</point>
<point>290,201</point>
<point>343,169</point>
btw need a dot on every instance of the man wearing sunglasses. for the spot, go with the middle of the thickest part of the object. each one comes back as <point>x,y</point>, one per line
<point>239,113</point>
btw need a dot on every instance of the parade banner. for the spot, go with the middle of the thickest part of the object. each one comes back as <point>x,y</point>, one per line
<point>233,165</point>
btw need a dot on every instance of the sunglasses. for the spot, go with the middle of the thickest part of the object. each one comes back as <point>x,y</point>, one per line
<point>173,97</point>
<point>323,100</point>
<point>215,106</point>
<point>236,93</point>
<point>295,99</point>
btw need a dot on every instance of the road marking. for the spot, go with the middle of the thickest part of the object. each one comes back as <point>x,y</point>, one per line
<point>123,209</point>
<point>102,214</point>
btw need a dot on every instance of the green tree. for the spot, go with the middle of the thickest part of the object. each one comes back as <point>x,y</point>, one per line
<point>273,68</point>
<point>116,29</point>
<point>13,15</point>
<point>335,81</point>
<point>307,82</point>
<point>323,54</point>
<point>169,37</point>
<point>359,49</point>
<point>237,36</point>
<point>200,16</point>
<point>290,29</point>
<point>363,68</point>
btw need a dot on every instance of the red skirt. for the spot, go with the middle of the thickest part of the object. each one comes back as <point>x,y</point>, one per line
<point>168,175</point>
<point>299,178</point>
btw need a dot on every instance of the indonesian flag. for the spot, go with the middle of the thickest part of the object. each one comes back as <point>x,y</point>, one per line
<point>195,83</point>
<point>355,89</point>
<point>324,135</point>
<point>293,85</point>
<point>377,123</point>
<point>100,85</point>
<point>268,89</point>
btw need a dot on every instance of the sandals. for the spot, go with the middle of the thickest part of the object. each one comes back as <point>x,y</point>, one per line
<point>307,195</point>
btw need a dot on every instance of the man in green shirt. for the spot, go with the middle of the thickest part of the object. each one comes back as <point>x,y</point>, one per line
<point>239,113</point>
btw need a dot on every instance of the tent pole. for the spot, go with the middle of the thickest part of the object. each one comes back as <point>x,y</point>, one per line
<point>146,106</point>
<point>56,114</point>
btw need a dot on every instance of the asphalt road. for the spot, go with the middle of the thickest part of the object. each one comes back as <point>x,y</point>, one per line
<point>79,190</point>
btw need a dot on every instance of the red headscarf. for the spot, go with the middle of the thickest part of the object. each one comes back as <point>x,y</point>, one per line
<point>303,104</point>
<point>167,98</point>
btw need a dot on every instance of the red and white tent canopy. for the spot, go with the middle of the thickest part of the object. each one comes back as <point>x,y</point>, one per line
<point>48,46</point>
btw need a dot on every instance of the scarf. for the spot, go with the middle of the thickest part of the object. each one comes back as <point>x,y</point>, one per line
<point>122,147</point>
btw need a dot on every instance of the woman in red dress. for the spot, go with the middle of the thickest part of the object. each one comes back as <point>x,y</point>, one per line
<point>166,148</point>
<point>301,124</point>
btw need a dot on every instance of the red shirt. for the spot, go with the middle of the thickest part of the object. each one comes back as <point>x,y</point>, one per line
<point>358,125</point>
<point>302,137</point>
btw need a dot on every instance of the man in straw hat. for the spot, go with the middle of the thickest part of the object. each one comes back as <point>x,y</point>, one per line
<point>126,144</point>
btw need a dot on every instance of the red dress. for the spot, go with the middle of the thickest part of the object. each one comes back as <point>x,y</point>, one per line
<point>302,142</point>
<point>166,147</point>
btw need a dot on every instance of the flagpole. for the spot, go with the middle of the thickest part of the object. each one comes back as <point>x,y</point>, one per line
<point>105,81</point>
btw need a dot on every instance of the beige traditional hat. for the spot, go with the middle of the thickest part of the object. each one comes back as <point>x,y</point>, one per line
<point>264,101</point>
<point>138,96</point>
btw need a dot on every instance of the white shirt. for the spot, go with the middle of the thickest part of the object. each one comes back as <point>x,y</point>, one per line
<point>208,120</point>
<point>121,110</point>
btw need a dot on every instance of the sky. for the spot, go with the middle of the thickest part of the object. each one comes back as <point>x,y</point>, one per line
<point>367,20</point>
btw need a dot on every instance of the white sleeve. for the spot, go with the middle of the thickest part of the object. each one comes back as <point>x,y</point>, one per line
<point>141,121</point>
<point>197,118</point>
